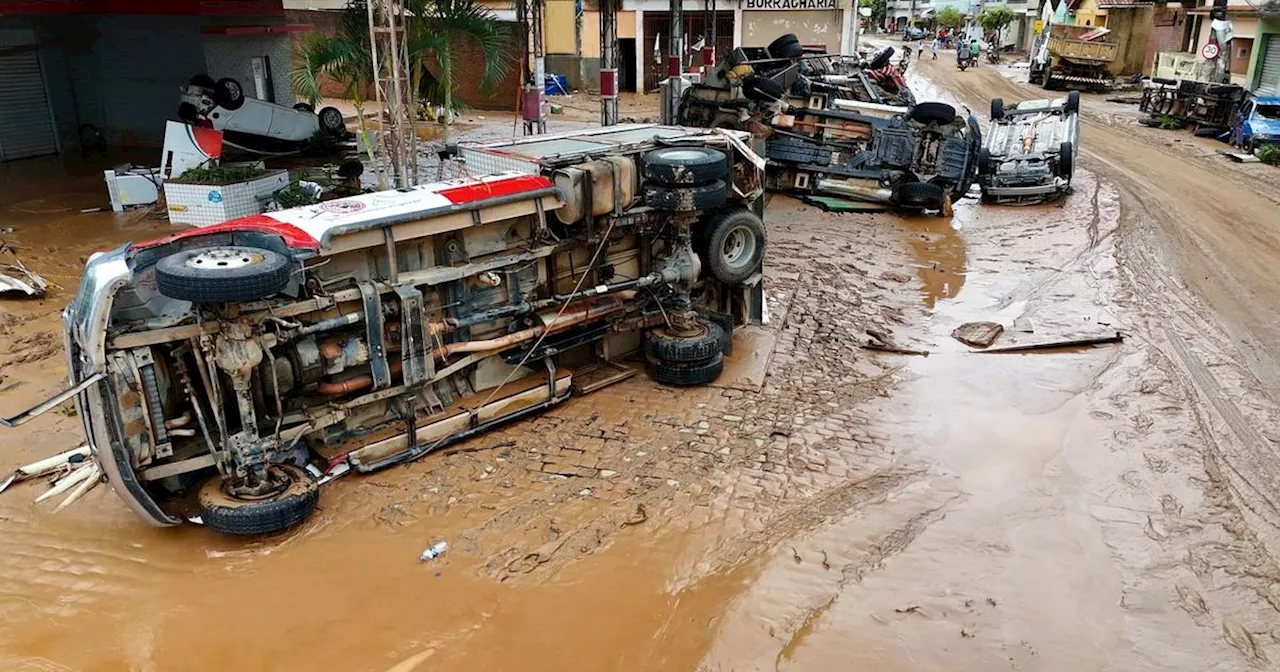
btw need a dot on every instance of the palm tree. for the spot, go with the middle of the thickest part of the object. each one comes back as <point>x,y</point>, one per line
<point>436,29</point>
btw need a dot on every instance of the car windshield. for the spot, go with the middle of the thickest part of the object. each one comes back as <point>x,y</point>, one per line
<point>1269,111</point>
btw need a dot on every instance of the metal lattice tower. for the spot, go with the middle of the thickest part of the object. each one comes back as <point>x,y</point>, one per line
<point>608,62</point>
<point>533,66</point>
<point>393,88</point>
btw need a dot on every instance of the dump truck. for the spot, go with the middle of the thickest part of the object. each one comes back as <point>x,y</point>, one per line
<point>1074,57</point>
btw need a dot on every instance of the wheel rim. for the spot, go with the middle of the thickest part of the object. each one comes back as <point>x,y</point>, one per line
<point>223,259</point>
<point>739,247</point>
<point>331,120</point>
<point>233,89</point>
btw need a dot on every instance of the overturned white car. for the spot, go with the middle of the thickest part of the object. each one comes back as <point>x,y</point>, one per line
<point>1030,150</point>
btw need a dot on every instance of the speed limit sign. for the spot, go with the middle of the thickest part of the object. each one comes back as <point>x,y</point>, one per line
<point>1211,51</point>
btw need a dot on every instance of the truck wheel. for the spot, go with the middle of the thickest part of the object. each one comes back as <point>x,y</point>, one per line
<point>735,245</point>
<point>937,113</point>
<point>997,108</point>
<point>701,347</point>
<point>787,46</point>
<point>1073,103</point>
<point>293,502</point>
<point>228,94</point>
<point>686,199</point>
<point>919,195</point>
<point>222,274</point>
<point>681,166</point>
<point>685,374</point>
<point>331,121</point>
<point>763,89</point>
<point>1066,160</point>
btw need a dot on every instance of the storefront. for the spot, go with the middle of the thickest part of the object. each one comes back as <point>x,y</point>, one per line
<point>818,23</point>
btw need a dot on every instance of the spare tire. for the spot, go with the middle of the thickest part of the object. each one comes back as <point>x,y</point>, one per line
<point>935,113</point>
<point>228,94</point>
<point>686,199</point>
<point>919,195</point>
<point>702,346</point>
<point>682,166</point>
<point>755,87</point>
<point>685,374</point>
<point>787,46</point>
<point>881,59</point>
<point>223,274</point>
<point>292,504</point>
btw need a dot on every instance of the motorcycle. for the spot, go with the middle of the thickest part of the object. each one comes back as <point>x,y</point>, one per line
<point>993,56</point>
<point>963,60</point>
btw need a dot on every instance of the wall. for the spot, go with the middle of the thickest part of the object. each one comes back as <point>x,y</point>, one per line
<point>1266,27</point>
<point>1241,27</point>
<point>1132,30</point>
<point>1241,55</point>
<point>1169,26</point>
<point>231,56</point>
<point>558,27</point>
<point>500,96</point>
<point>759,28</point>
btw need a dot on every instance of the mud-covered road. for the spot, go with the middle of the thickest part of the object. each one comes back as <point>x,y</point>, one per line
<point>1109,508</point>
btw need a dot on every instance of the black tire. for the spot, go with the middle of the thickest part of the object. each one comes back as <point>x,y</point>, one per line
<point>683,166</point>
<point>756,87</point>
<point>707,343</point>
<point>787,46</point>
<point>919,195</point>
<point>350,169</point>
<point>331,121</point>
<point>685,374</point>
<point>686,199</point>
<point>1165,81</point>
<point>936,113</point>
<point>963,65</point>
<point>1066,160</point>
<point>881,59</point>
<point>1219,89</point>
<point>229,514</point>
<point>725,322</point>
<point>202,81</point>
<point>304,107</point>
<point>1073,103</point>
<point>997,108</point>
<point>223,274</point>
<point>228,94</point>
<point>735,245</point>
<point>790,150</point>
<point>984,161</point>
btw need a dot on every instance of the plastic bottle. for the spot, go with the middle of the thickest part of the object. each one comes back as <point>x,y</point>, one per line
<point>434,552</point>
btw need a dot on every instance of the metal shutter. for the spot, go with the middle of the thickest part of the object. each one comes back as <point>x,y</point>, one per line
<point>26,124</point>
<point>1269,80</point>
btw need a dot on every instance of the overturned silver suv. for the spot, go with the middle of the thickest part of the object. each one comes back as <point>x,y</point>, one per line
<point>1030,151</point>
<point>222,370</point>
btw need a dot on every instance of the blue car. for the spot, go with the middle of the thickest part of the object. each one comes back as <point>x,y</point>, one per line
<point>1256,123</point>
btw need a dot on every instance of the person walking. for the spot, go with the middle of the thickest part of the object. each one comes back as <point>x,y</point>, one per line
<point>933,47</point>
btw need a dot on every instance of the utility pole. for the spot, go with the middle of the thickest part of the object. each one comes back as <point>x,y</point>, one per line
<point>608,62</point>
<point>857,25</point>
<point>675,42</point>
<point>393,88</point>
<point>532,66</point>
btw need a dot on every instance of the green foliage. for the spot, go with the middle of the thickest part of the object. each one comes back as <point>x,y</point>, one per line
<point>949,17</point>
<point>1269,154</point>
<point>879,9</point>
<point>220,175</point>
<point>993,19</point>
<point>1168,123</point>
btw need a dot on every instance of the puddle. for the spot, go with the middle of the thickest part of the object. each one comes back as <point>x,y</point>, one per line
<point>939,249</point>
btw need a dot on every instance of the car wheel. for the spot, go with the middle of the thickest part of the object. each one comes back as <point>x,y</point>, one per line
<point>700,347</point>
<point>756,87</point>
<point>787,46</point>
<point>202,81</point>
<point>293,502</point>
<point>997,108</point>
<point>984,161</point>
<point>682,166</point>
<point>331,121</point>
<point>919,195</point>
<point>685,374</point>
<point>223,274</point>
<point>935,113</point>
<point>735,245</point>
<point>304,107</point>
<point>881,59</point>
<point>686,199</point>
<point>1066,160</point>
<point>227,93</point>
<point>1073,103</point>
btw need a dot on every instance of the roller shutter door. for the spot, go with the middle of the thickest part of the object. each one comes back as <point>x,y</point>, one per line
<point>26,124</point>
<point>1269,79</point>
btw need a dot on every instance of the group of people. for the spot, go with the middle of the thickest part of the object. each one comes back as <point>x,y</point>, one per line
<point>965,47</point>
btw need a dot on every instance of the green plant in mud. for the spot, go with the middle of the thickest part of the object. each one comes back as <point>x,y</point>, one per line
<point>1269,154</point>
<point>220,175</point>
<point>1168,123</point>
